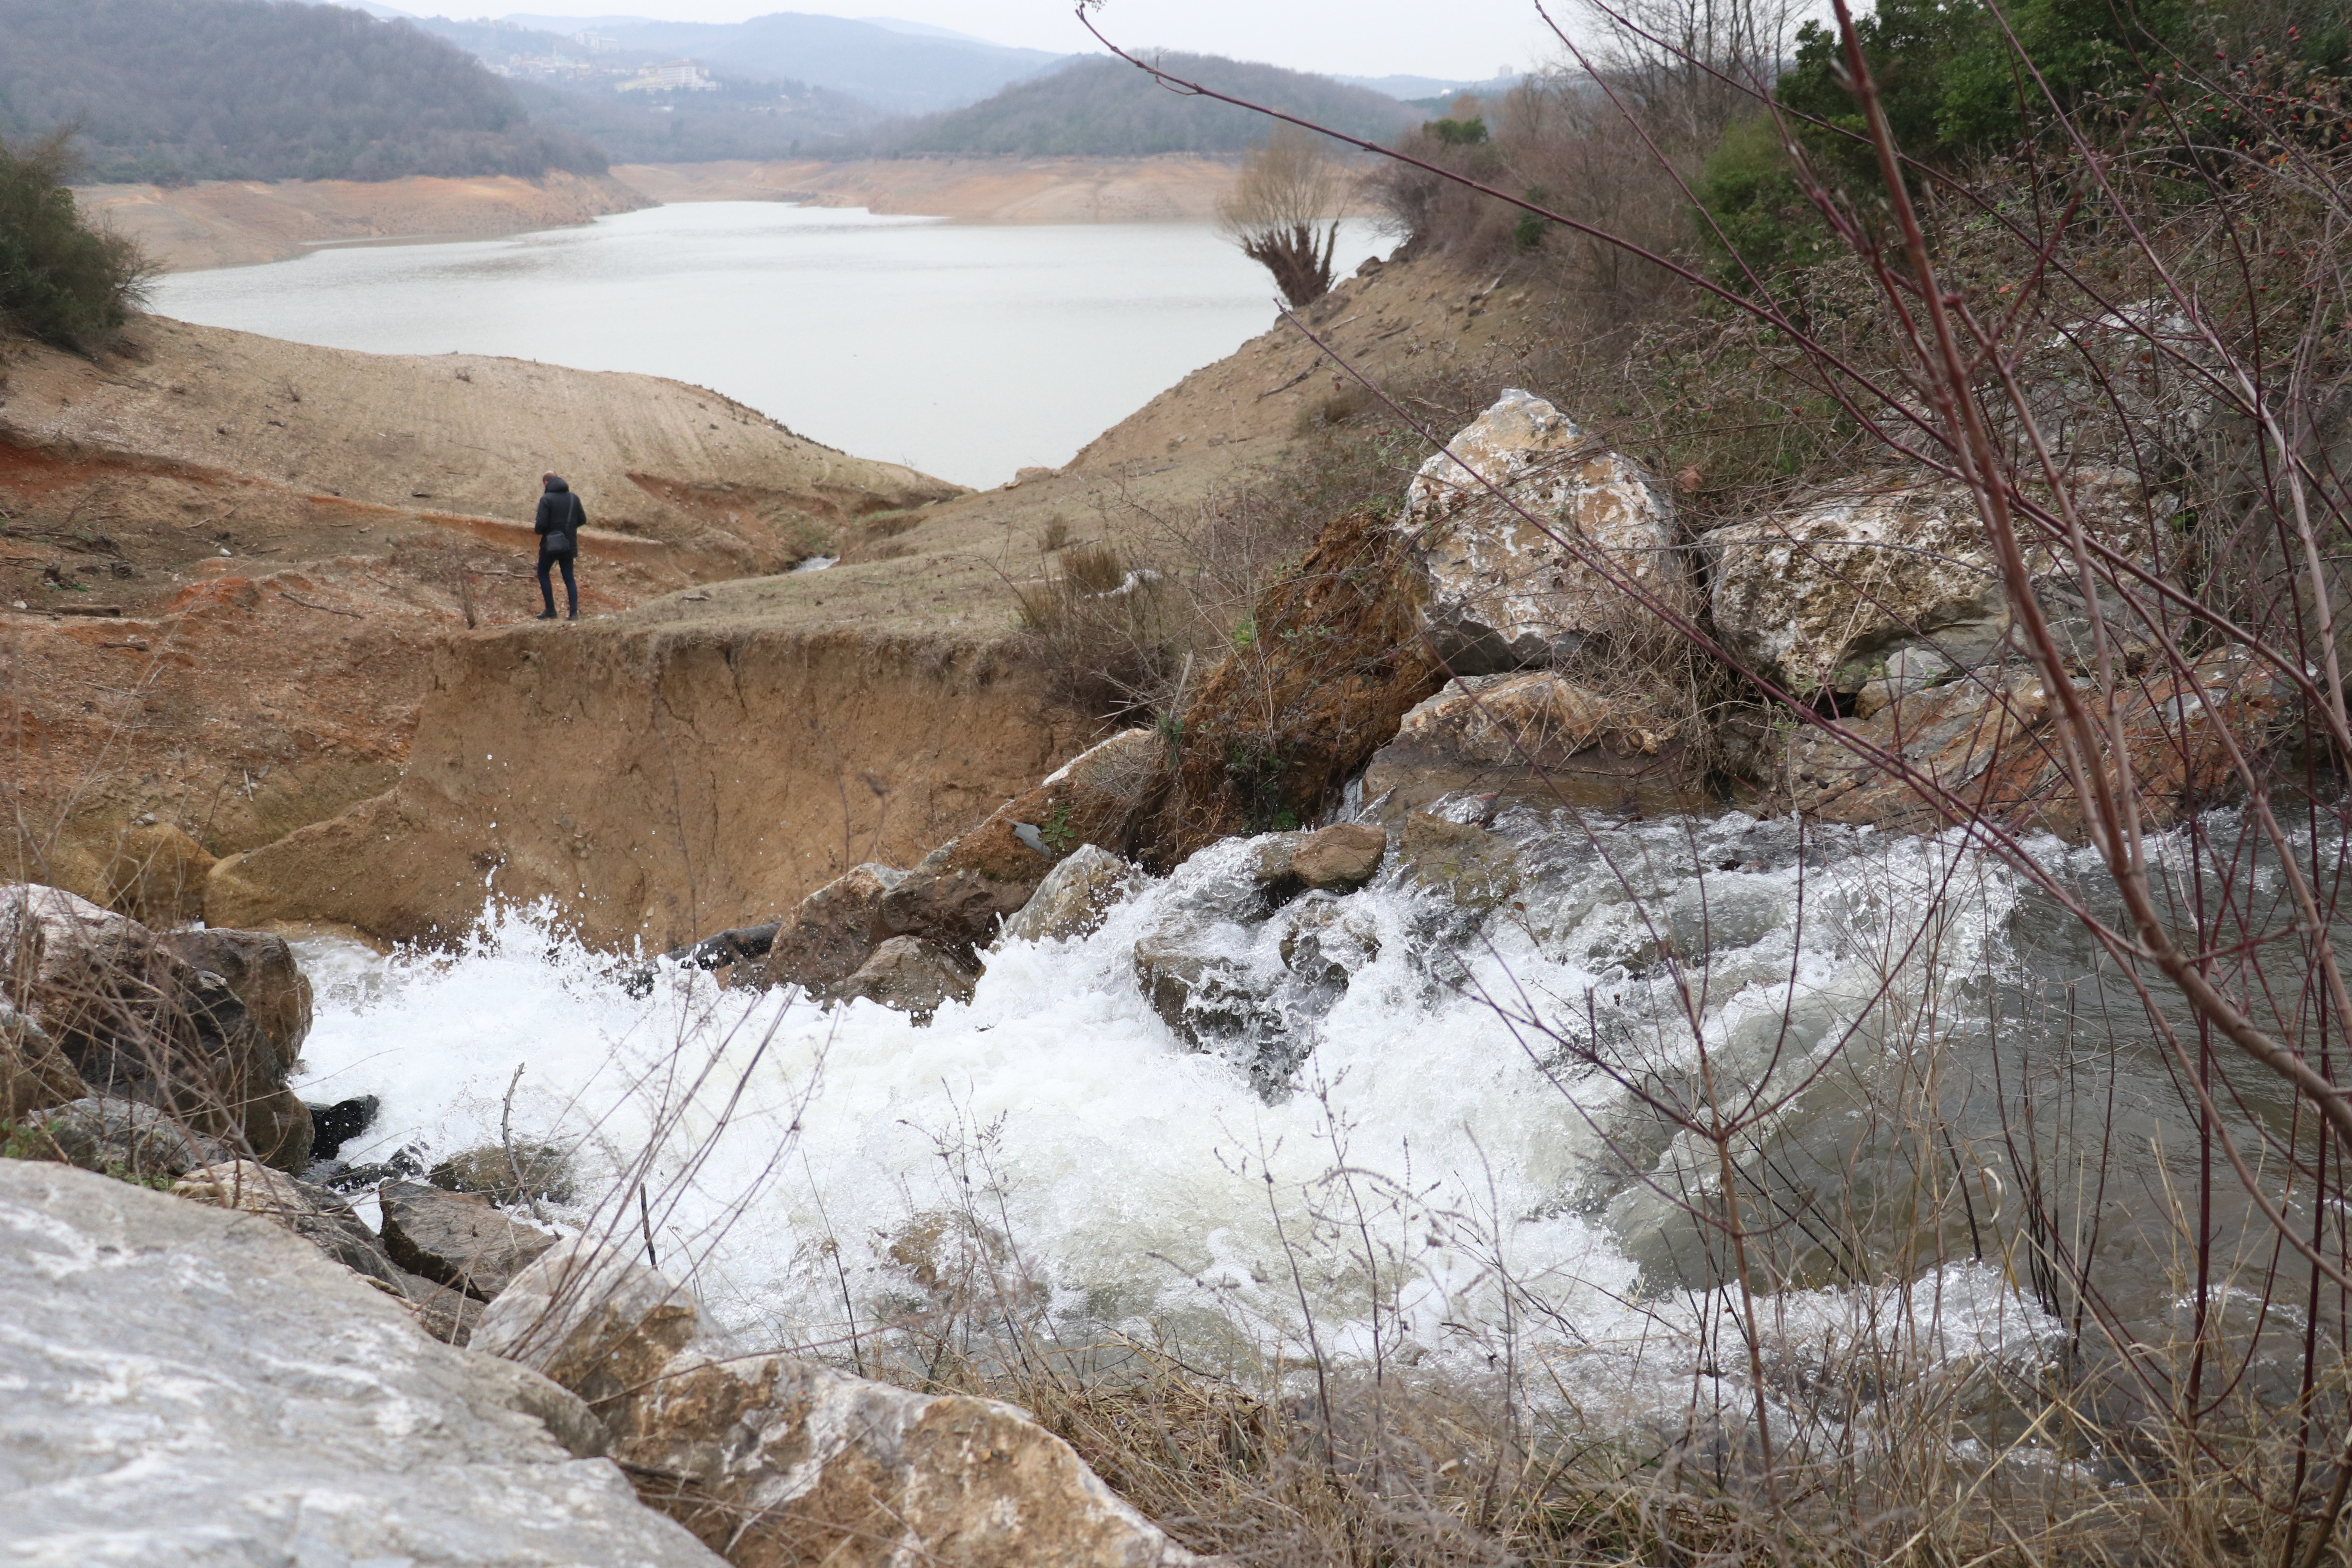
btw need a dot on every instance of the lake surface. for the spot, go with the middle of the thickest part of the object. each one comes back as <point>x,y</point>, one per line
<point>965,351</point>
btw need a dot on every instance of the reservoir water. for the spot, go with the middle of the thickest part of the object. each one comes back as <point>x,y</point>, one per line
<point>966,352</point>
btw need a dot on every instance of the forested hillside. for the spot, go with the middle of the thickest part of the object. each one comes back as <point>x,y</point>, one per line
<point>1107,108</point>
<point>174,90</point>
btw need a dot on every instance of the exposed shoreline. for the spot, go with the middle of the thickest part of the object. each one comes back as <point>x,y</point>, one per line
<point>241,222</point>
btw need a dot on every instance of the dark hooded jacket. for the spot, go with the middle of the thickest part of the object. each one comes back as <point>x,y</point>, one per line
<point>560,512</point>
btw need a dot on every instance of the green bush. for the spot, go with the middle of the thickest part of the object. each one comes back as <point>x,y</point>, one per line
<point>61,281</point>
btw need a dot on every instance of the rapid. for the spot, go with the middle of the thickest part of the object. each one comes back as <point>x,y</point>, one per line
<point>1421,1126</point>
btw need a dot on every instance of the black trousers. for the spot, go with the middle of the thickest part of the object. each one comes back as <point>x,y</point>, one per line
<point>547,588</point>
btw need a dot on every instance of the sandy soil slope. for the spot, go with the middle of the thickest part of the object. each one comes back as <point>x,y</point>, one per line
<point>720,751</point>
<point>233,223</point>
<point>1220,430</point>
<point>224,560</point>
<point>970,190</point>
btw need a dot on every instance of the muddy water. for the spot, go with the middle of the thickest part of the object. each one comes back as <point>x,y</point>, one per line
<point>967,352</point>
<point>1407,1129</point>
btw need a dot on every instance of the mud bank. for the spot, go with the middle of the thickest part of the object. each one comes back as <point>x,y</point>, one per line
<point>236,223</point>
<point>653,783</point>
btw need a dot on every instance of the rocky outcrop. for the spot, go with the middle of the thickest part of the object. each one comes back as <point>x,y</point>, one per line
<point>1538,738</point>
<point>1824,594</point>
<point>1986,742</point>
<point>1335,658</point>
<point>191,1385</point>
<point>909,974</point>
<point>456,1240</point>
<point>1505,594</point>
<point>654,783</point>
<point>775,1460</point>
<point>138,1021</point>
<point>957,895</point>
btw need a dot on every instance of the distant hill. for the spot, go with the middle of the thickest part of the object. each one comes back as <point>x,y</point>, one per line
<point>883,65</point>
<point>739,119</point>
<point>599,93</point>
<point>173,90</point>
<point>1107,108</point>
<point>1421,89</point>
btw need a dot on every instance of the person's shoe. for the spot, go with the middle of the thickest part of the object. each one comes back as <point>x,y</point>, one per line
<point>545,615</point>
<point>572,616</point>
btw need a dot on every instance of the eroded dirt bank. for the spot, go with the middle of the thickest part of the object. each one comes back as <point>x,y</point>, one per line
<point>652,781</point>
<point>224,560</point>
<point>236,223</point>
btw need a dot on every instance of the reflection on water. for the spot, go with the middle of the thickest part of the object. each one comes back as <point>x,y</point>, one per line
<point>968,353</point>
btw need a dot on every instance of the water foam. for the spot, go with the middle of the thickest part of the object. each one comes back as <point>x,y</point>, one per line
<point>1431,1183</point>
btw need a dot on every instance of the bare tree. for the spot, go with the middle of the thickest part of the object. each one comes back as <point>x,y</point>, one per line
<point>1280,213</point>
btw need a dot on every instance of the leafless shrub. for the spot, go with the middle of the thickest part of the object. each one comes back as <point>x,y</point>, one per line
<point>1284,213</point>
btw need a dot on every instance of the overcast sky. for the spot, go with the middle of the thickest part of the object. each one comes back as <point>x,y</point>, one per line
<point>1467,38</point>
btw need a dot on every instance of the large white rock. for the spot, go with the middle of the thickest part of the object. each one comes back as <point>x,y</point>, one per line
<point>1816,596</point>
<point>189,1385</point>
<point>1505,594</point>
<point>796,1463</point>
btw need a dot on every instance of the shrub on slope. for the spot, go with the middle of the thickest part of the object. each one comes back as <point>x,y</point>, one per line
<point>59,282</point>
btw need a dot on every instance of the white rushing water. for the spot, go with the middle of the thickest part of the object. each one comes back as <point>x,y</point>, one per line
<point>1156,1188</point>
<point>966,350</point>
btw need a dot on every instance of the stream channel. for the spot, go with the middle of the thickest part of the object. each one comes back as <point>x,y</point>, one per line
<point>1422,1129</point>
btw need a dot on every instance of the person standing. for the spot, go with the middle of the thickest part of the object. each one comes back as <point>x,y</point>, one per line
<point>560,519</point>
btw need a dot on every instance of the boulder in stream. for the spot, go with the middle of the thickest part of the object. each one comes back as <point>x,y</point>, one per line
<point>313,1213</point>
<point>1073,899</point>
<point>774,1459</point>
<point>830,933</point>
<point>960,892</point>
<point>1538,738</point>
<point>1339,858</point>
<point>909,974</point>
<point>456,1240</point>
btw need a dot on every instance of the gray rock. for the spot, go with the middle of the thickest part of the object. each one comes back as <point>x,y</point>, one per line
<point>507,1176</point>
<point>189,1386</point>
<point>34,1074</point>
<point>446,1314</point>
<point>1073,898</point>
<point>140,1022</point>
<point>122,1138</point>
<point>797,1463</point>
<point>313,1213</point>
<point>1504,594</point>
<point>1539,738</point>
<point>909,973</point>
<point>456,1240</point>
<point>1819,596</point>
